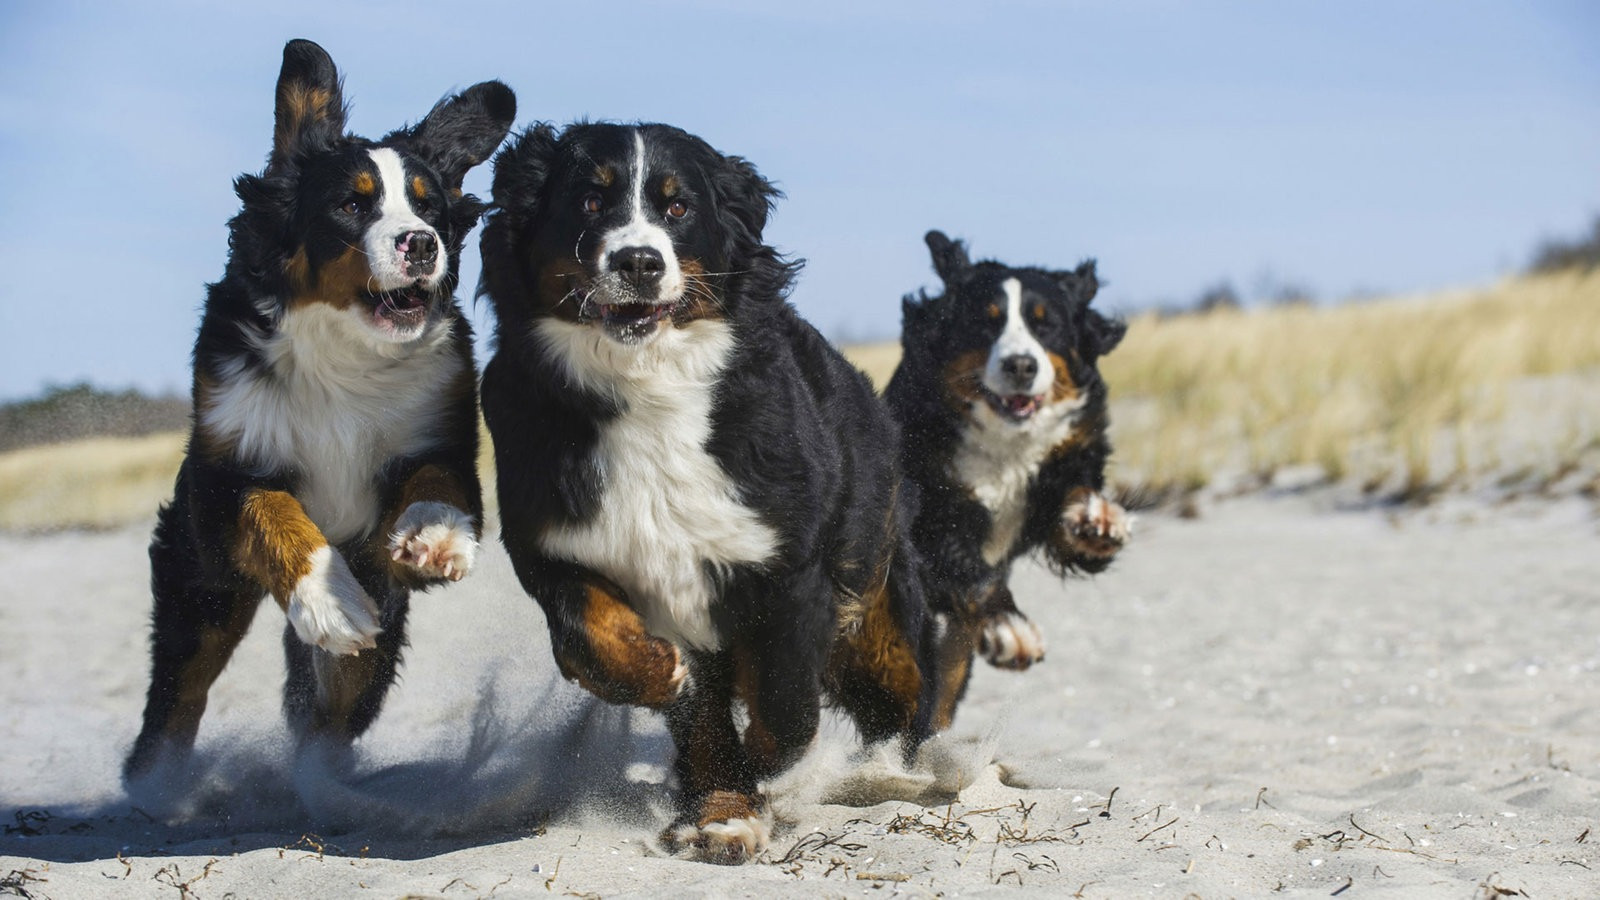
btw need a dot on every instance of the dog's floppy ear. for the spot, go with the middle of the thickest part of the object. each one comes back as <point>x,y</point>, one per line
<point>949,257</point>
<point>520,171</point>
<point>1100,334</point>
<point>310,104</point>
<point>916,316</point>
<point>463,130</point>
<point>746,195</point>
<point>521,168</point>
<point>1081,284</point>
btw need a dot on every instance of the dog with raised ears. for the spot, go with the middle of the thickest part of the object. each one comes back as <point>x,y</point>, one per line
<point>1003,417</point>
<point>332,459</point>
<point>699,491</point>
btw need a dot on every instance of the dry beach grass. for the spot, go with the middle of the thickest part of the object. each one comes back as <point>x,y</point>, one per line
<point>1412,395</point>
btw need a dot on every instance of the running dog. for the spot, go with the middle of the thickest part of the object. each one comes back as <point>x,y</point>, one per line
<point>332,458</point>
<point>700,492</point>
<point>1003,414</point>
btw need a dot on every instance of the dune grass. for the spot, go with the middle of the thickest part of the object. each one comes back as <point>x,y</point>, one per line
<point>1405,397</point>
<point>92,483</point>
<point>100,483</point>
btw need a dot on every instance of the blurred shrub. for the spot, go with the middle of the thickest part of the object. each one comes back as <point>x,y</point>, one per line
<point>80,411</point>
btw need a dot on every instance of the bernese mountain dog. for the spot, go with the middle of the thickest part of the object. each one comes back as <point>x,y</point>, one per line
<point>697,488</point>
<point>332,457</point>
<point>1003,414</point>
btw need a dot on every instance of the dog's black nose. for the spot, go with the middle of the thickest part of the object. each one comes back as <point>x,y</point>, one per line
<point>642,267</point>
<point>1020,369</point>
<point>421,249</point>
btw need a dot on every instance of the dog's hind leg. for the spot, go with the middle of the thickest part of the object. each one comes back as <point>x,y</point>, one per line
<point>334,697</point>
<point>879,670</point>
<point>194,630</point>
<point>786,629</point>
<point>957,646</point>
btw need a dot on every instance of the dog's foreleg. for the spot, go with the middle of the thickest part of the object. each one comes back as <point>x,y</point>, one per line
<point>280,547</point>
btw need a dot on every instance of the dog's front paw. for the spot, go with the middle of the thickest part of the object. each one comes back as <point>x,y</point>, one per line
<point>1010,641</point>
<point>1094,526</point>
<point>434,540</point>
<point>631,668</point>
<point>611,653</point>
<point>730,829</point>
<point>328,608</point>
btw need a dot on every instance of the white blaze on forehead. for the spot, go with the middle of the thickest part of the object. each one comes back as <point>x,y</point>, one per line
<point>1016,340</point>
<point>641,231</point>
<point>395,220</point>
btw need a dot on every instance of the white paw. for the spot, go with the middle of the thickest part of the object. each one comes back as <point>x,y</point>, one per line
<point>328,608</point>
<point>1094,525</point>
<point>1010,641</point>
<point>729,842</point>
<point>435,539</point>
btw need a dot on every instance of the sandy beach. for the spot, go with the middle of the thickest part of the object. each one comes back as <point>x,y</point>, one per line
<point>1288,694</point>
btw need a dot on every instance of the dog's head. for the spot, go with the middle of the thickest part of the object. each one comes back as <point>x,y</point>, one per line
<point>631,230</point>
<point>370,231</point>
<point>1017,344</point>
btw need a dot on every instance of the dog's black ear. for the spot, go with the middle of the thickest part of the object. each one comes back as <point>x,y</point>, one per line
<point>949,257</point>
<point>310,104</point>
<point>1081,284</point>
<point>1101,335</point>
<point>746,195</point>
<point>520,171</point>
<point>463,130</point>
<point>916,315</point>
<point>521,168</point>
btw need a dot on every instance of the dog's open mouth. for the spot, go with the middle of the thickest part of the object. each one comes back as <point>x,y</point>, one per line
<point>403,308</point>
<point>634,313</point>
<point>1015,407</point>
<point>634,320</point>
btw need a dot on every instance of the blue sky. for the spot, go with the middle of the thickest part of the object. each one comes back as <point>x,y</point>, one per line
<point>1349,147</point>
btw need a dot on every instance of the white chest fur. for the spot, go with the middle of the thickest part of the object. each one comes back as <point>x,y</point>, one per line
<point>334,406</point>
<point>997,460</point>
<point>668,511</point>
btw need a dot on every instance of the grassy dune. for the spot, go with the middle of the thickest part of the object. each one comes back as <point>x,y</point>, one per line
<point>1406,397</point>
<point>92,483</point>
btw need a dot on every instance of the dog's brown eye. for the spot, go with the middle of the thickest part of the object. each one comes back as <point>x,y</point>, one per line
<point>993,310</point>
<point>592,203</point>
<point>677,209</point>
<point>354,206</point>
<point>1038,311</point>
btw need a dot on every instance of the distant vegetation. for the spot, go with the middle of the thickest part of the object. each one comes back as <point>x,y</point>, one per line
<point>1404,397</point>
<point>80,411</point>
<point>1562,255</point>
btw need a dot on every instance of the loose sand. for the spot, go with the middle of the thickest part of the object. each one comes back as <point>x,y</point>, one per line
<point>1278,696</point>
